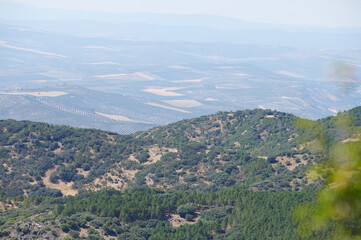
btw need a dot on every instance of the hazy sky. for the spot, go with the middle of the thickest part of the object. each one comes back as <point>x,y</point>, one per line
<point>300,12</point>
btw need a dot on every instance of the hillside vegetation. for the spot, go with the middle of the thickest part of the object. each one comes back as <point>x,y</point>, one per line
<point>230,175</point>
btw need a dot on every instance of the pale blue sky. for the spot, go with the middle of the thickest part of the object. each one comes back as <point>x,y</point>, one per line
<point>299,12</point>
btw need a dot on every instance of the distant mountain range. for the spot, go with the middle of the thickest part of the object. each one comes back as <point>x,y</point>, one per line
<point>130,72</point>
<point>182,28</point>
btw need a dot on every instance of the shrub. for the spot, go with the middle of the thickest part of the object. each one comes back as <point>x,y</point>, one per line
<point>182,210</point>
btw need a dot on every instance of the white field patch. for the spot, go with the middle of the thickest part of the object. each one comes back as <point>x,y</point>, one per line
<point>211,99</point>
<point>41,81</point>
<point>189,81</point>
<point>241,74</point>
<point>167,107</point>
<point>333,98</point>
<point>333,110</point>
<point>104,63</point>
<point>224,87</point>
<point>289,74</point>
<point>143,75</point>
<point>111,75</point>
<point>225,67</point>
<point>178,67</point>
<point>4,44</point>
<point>37,94</point>
<point>167,92</point>
<point>297,99</point>
<point>183,103</point>
<point>133,76</point>
<point>116,117</point>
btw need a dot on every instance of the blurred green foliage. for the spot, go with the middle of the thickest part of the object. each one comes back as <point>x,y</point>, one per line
<point>339,201</point>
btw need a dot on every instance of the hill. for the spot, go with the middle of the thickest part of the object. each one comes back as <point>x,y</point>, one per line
<point>201,153</point>
<point>258,149</point>
<point>225,175</point>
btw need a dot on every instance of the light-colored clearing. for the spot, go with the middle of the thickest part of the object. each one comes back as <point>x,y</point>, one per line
<point>156,153</point>
<point>129,174</point>
<point>177,221</point>
<point>148,180</point>
<point>167,107</point>
<point>270,116</point>
<point>188,81</point>
<point>284,159</point>
<point>65,188</point>
<point>183,103</point>
<point>132,158</point>
<point>82,172</point>
<point>116,117</point>
<point>350,140</point>
<point>83,233</point>
<point>116,183</point>
<point>333,110</point>
<point>37,94</point>
<point>211,99</point>
<point>4,44</point>
<point>289,74</point>
<point>164,91</point>
<point>178,67</point>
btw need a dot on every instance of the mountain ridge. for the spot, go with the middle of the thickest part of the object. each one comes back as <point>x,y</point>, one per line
<point>191,179</point>
<point>205,154</point>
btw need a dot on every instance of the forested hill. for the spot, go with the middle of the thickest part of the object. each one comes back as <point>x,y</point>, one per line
<point>256,149</point>
<point>248,170</point>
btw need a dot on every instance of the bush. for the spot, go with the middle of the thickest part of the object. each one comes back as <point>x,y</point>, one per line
<point>65,228</point>
<point>182,210</point>
<point>190,178</point>
<point>189,217</point>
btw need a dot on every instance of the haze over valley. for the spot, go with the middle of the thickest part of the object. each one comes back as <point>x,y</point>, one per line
<point>131,72</point>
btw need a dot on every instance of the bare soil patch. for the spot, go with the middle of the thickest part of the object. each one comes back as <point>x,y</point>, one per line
<point>65,188</point>
<point>290,163</point>
<point>177,221</point>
